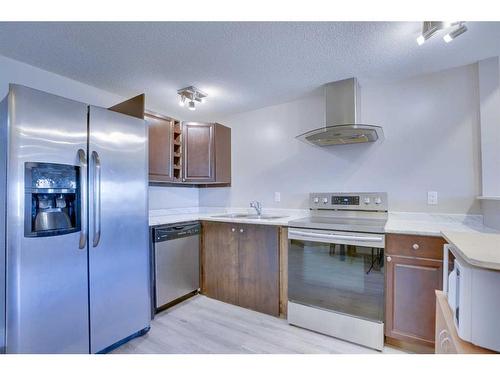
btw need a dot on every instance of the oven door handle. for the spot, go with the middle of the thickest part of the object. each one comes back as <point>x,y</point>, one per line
<point>300,235</point>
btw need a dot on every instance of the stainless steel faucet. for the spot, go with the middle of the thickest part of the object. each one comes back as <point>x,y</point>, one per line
<point>258,207</point>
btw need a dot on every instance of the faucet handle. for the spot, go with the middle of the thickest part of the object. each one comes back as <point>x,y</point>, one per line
<point>255,204</point>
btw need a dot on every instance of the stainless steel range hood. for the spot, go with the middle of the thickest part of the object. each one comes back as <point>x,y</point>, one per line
<point>342,125</point>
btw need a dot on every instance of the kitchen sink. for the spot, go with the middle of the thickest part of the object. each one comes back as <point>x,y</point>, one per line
<point>252,217</point>
<point>263,217</point>
<point>232,216</point>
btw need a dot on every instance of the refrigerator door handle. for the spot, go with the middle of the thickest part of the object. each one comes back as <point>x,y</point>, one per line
<point>97,198</point>
<point>83,196</point>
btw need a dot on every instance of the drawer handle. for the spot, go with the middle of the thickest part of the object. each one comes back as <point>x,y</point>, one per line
<point>389,259</point>
<point>232,229</point>
<point>416,246</point>
<point>241,230</point>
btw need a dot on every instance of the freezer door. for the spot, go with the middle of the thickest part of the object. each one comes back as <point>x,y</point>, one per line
<point>47,286</point>
<point>118,227</point>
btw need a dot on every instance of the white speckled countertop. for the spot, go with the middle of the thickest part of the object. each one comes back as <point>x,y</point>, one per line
<point>478,249</point>
<point>424,224</point>
<point>177,215</point>
<point>427,224</point>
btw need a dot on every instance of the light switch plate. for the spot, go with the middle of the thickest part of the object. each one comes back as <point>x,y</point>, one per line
<point>432,197</point>
<point>277,196</point>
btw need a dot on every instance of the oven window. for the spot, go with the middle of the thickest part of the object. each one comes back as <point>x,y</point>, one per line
<point>343,278</point>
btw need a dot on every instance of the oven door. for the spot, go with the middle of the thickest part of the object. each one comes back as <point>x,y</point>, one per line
<point>337,271</point>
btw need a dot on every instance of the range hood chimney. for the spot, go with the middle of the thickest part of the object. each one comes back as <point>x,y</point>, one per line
<point>342,124</point>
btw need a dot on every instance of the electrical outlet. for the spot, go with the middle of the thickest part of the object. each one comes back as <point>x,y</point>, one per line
<point>277,196</point>
<point>432,197</point>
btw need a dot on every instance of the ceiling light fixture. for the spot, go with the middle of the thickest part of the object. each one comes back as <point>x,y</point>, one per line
<point>457,32</point>
<point>191,94</point>
<point>429,28</point>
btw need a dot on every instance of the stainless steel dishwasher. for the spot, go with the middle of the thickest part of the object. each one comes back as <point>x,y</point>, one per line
<point>176,262</point>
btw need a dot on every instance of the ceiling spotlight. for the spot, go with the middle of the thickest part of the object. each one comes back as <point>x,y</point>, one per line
<point>191,94</point>
<point>429,28</point>
<point>457,32</point>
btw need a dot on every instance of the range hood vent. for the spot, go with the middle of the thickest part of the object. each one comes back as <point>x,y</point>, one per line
<point>342,125</point>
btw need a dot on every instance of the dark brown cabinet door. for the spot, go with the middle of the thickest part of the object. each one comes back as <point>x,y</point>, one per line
<point>198,152</point>
<point>411,299</point>
<point>259,268</point>
<point>160,148</point>
<point>220,261</point>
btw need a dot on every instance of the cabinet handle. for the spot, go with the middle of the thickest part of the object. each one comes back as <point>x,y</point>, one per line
<point>443,332</point>
<point>232,229</point>
<point>446,341</point>
<point>416,246</point>
<point>241,230</point>
<point>389,259</point>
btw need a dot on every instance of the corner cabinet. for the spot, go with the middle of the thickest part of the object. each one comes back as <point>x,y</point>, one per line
<point>240,265</point>
<point>206,153</point>
<point>414,271</point>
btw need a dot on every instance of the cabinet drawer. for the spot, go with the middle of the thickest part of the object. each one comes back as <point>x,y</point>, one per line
<point>414,246</point>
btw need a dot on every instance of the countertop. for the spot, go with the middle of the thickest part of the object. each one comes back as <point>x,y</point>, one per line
<point>424,224</point>
<point>478,249</point>
<point>170,216</point>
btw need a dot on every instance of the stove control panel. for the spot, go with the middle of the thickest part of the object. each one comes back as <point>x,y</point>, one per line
<point>349,201</point>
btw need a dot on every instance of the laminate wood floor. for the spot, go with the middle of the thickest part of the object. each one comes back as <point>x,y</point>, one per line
<point>202,325</point>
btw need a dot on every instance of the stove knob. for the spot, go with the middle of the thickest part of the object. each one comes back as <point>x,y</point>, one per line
<point>378,200</point>
<point>316,200</point>
<point>366,200</point>
<point>325,200</point>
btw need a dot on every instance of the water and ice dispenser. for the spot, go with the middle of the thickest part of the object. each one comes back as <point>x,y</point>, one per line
<point>52,199</point>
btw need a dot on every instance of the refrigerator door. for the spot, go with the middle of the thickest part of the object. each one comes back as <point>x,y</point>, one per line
<point>3,196</point>
<point>47,286</point>
<point>118,228</point>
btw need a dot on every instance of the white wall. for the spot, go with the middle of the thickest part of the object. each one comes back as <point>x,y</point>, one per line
<point>489,97</point>
<point>431,127</point>
<point>172,197</point>
<point>491,213</point>
<point>12,71</point>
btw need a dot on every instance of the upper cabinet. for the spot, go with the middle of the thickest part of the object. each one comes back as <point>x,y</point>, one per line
<point>206,153</point>
<point>160,148</point>
<point>192,153</point>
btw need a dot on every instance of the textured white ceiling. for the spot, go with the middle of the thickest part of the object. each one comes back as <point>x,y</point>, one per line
<point>242,66</point>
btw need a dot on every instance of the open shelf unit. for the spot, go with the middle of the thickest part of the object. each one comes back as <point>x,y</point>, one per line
<point>177,150</point>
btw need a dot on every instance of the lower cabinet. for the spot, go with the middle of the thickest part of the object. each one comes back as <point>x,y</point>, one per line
<point>240,265</point>
<point>219,262</point>
<point>414,271</point>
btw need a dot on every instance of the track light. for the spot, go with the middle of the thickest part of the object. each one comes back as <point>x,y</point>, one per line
<point>191,94</point>
<point>429,28</point>
<point>457,32</point>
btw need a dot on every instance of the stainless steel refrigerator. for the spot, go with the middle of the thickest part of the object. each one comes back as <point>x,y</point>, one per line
<point>74,253</point>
